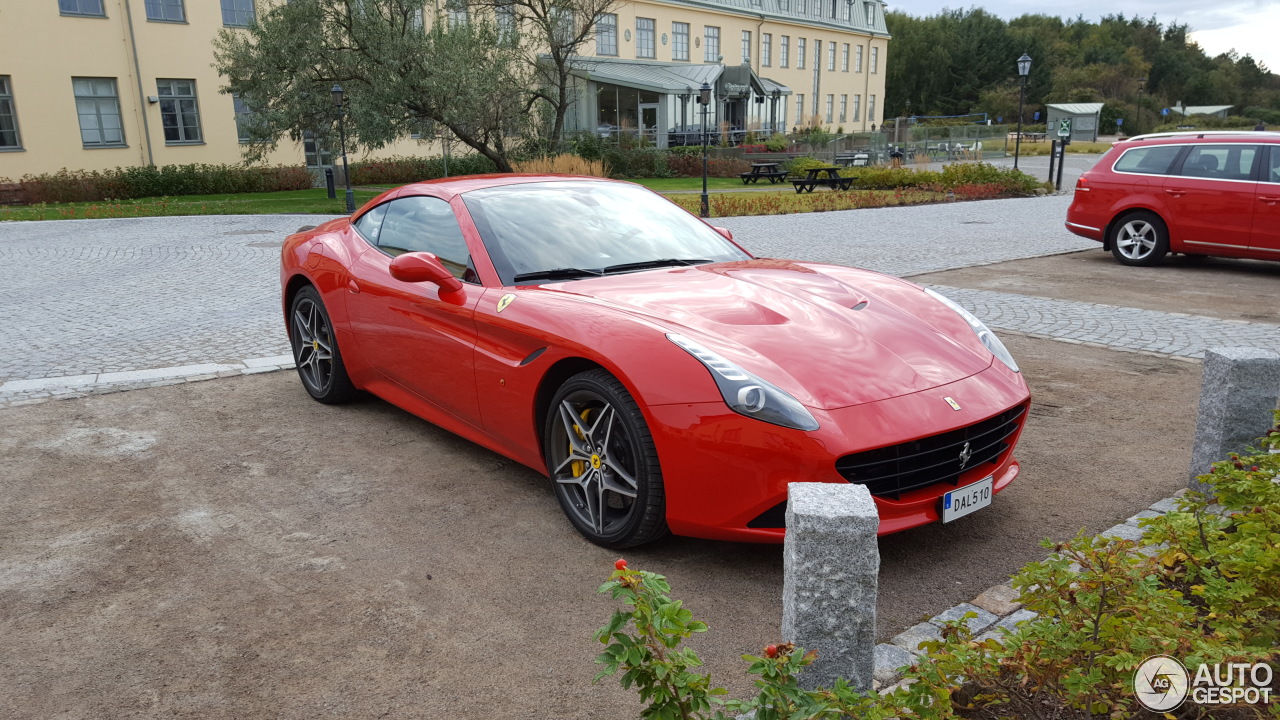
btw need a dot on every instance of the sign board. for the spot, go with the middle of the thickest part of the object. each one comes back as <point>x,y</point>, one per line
<point>1037,116</point>
<point>1164,111</point>
<point>1119,122</point>
<point>1064,127</point>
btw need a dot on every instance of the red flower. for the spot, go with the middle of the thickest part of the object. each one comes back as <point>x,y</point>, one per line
<point>771,651</point>
<point>620,565</point>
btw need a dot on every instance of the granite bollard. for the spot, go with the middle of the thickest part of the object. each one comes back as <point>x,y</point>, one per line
<point>831,568</point>
<point>1238,392</point>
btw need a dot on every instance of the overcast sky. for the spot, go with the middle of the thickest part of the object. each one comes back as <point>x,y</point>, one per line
<point>1248,26</point>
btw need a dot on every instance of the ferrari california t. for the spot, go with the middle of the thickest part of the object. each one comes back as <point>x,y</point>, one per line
<point>663,378</point>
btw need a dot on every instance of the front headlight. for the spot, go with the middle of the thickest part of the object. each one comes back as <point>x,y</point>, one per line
<point>988,338</point>
<point>747,394</point>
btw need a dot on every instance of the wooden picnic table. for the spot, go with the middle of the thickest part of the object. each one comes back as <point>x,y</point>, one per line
<point>828,175</point>
<point>771,170</point>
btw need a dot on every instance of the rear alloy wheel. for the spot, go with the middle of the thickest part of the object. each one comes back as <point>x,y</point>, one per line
<point>602,459</point>
<point>315,349</point>
<point>1139,238</point>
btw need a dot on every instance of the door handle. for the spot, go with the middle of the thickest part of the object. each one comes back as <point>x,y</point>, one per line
<point>1269,199</point>
<point>1176,192</point>
<point>353,286</point>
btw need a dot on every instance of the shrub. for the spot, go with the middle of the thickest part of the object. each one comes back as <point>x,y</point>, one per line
<point>689,165</point>
<point>777,143</point>
<point>1203,586</point>
<point>167,180</point>
<point>564,164</point>
<point>400,170</point>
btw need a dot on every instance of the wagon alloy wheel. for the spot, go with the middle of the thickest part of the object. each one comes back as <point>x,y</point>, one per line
<point>315,350</point>
<point>601,458</point>
<point>1140,239</point>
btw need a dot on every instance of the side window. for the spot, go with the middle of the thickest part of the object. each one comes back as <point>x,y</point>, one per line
<point>1148,160</point>
<point>1220,162</point>
<point>426,224</point>
<point>370,223</point>
<point>1272,173</point>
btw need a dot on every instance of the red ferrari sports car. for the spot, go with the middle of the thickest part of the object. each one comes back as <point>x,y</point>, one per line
<point>661,376</point>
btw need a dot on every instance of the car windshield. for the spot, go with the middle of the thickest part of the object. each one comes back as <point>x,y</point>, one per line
<point>564,230</point>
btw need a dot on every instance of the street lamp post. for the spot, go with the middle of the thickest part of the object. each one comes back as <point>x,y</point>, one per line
<point>773,111</point>
<point>685,97</point>
<point>1142,85</point>
<point>704,99</point>
<point>340,111</point>
<point>1024,68</point>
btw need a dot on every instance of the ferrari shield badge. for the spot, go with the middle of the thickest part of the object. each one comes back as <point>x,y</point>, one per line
<point>954,405</point>
<point>504,301</point>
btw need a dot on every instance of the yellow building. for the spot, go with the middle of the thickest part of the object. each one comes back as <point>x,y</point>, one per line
<point>98,84</point>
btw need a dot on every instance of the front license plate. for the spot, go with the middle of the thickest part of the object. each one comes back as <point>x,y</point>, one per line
<point>962,501</point>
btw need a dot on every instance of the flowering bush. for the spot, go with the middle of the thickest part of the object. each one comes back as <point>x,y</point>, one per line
<point>166,180</point>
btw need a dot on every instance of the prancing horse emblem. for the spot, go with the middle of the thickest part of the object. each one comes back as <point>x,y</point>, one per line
<point>965,454</point>
<point>504,301</point>
<point>954,405</point>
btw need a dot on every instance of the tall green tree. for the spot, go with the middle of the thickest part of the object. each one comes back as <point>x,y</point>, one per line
<point>400,75</point>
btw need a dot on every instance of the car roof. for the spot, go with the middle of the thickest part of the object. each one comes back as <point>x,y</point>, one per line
<point>448,187</point>
<point>1266,136</point>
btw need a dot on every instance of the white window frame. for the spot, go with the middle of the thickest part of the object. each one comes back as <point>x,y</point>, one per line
<point>800,118</point>
<point>875,60</point>
<point>99,105</point>
<point>857,108</point>
<point>784,51</point>
<point>871,108</point>
<point>746,47</point>
<point>857,59</point>
<point>646,43</point>
<point>9,110</point>
<point>80,10</point>
<point>173,11</point>
<point>844,58</point>
<point>711,43</point>
<point>844,107</point>
<point>801,53</point>
<point>607,34</point>
<point>766,49</point>
<point>831,56</point>
<point>680,41</point>
<point>238,13</point>
<point>180,106</point>
<point>831,106</point>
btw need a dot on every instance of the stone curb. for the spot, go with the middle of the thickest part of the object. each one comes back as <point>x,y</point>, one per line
<point>17,393</point>
<point>996,609</point>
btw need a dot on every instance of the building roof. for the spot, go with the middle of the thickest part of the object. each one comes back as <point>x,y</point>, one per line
<point>1202,109</point>
<point>1077,108</point>
<point>664,77</point>
<point>851,14</point>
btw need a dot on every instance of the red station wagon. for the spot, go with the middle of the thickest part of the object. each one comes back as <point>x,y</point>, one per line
<point>1196,193</point>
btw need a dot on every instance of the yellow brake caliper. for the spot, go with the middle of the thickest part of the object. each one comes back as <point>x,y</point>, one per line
<point>578,467</point>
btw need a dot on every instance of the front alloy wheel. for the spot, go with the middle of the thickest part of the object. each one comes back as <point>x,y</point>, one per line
<point>602,460</point>
<point>1140,239</point>
<point>315,349</point>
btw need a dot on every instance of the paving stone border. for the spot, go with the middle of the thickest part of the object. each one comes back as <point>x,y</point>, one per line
<point>996,608</point>
<point>16,393</point>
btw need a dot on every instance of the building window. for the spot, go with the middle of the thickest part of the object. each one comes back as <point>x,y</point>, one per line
<point>857,108</point>
<point>844,107</point>
<point>179,113</point>
<point>835,12</point>
<point>800,110</point>
<point>98,106</point>
<point>237,13</point>
<point>711,43</point>
<point>607,34</point>
<point>831,56</point>
<point>800,53</point>
<point>844,58</point>
<point>871,108</point>
<point>505,17</point>
<point>746,47</point>
<point>831,105</point>
<point>9,139</point>
<point>562,26</point>
<point>680,41</point>
<point>801,7</point>
<point>817,59</point>
<point>644,38</point>
<point>875,60</point>
<point>81,7</point>
<point>457,10</point>
<point>766,49</point>
<point>315,152</point>
<point>784,51</point>
<point>871,15</point>
<point>166,11</point>
<point>857,59</point>
<point>243,117</point>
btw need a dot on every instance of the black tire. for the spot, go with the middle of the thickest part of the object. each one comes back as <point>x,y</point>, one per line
<point>315,349</point>
<point>1139,238</point>
<point>590,467</point>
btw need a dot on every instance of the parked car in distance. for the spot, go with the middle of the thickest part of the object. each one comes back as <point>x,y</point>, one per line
<point>1195,193</point>
<point>660,375</point>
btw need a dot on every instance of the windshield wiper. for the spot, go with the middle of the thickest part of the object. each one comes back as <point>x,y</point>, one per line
<point>566,273</point>
<point>648,264</point>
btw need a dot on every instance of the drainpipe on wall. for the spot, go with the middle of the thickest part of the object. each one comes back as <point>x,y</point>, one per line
<point>866,76</point>
<point>142,96</point>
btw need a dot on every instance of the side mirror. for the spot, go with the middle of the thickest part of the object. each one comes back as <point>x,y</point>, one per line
<point>723,231</point>
<point>424,267</point>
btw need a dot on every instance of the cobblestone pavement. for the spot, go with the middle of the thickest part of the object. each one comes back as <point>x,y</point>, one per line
<point>96,305</point>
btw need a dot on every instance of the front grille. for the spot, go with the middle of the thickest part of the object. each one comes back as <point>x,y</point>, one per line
<point>890,471</point>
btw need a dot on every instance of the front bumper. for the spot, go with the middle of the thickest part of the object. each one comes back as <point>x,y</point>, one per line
<point>721,470</point>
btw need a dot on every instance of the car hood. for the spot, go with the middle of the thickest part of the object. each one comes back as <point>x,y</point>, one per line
<point>831,336</point>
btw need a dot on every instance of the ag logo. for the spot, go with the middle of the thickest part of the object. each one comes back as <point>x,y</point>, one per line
<point>504,301</point>
<point>1160,683</point>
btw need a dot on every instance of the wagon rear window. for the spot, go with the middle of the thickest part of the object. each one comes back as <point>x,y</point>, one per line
<point>1149,160</point>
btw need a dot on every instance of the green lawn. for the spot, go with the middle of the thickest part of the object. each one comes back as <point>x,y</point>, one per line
<point>311,201</point>
<point>672,184</point>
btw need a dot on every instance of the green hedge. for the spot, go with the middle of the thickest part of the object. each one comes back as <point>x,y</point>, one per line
<point>164,181</point>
